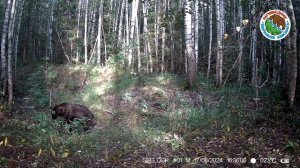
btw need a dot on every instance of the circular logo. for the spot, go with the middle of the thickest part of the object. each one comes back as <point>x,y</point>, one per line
<point>275,25</point>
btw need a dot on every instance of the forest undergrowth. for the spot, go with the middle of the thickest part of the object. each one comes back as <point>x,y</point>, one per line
<point>143,121</point>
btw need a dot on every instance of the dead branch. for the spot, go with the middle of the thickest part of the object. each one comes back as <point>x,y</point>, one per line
<point>65,53</point>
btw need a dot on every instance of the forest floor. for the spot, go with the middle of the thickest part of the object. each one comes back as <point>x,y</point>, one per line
<point>145,121</point>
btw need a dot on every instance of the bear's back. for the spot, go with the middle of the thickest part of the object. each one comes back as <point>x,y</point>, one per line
<point>80,111</point>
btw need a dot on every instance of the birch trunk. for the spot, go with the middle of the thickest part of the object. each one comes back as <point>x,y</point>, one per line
<point>220,35</point>
<point>3,47</point>
<point>78,29</point>
<point>210,39</point>
<point>132,30</point>
<point>253,45</point>
<point>163,45</point>
<point>189,51</point>
<point>9,56</point>
<point>99,36</point>
<point>196,31</point>
<point>241,42</point>
<point>172,42</point>
<point>146,35</point>
<point>157,28</point>
<point>137,28</point>
<point>222,8</point>
<point>86,32</point>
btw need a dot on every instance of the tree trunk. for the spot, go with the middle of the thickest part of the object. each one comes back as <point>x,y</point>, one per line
<point>163,45</point>
<point>92,21</point>
<point>50,30</point>
<point>196,28</point>
<point>157,22</point>
<point>241,43</point>
<point>132,31</point>
<point>292,46</point>
<point>78,29</point>
<point>137,29</point>
<point>3,47</point>
<point>111,22</point>
<point>105,49</point>
<point>146,35</point>
<point>86,32</point>
<point>210,39</point>
<point>234,17</point>
<point>189,51</point>
<point>220,35</point>
<point>9,56</point>
<point>253,48</point>
<point>21,4</point>
<point>99,36</point>
<point>120,21</point>
<point>127,31</point>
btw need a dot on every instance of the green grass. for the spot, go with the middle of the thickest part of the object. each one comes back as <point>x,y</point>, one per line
<point>161,123</point>
<point>166,127</point>
<point>121,84</point>
<point>165,79</point>
<point>47,135</point>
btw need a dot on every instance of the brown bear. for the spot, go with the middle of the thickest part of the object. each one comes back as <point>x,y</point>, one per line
<point>70,112</point>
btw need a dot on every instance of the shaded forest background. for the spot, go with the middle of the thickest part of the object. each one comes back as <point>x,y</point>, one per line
<point>151,36</point>
<point>163,77</point>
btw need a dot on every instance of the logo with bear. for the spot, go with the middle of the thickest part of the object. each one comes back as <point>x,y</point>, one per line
<point>275,25</point>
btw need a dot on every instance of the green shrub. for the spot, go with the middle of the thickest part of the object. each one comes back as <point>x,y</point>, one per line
<point>37,88</point>
<point>52,75</point>
<point>116,61</point>
<point>43,128</point>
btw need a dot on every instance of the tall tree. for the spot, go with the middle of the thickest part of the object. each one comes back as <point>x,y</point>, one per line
<point>10,54</point>
<point>220,42</point>
<point>171,41</point>
<point>210,38</point>
<point>292,58</point>
<point>241,42</point>
<point>21,4</point>
<point>127,31</point>
<point>78,29</point>
<point>133,24</point>
<point>253,46</point>
<point>190,50</point>
<point>157,29</point>
<point>3,47</point>
<point>137,32</point>
<point>99,36</point>
<point>163,45</point>
<point>146,34</point>
<point>196,24</point>
<point>50,30</point>
<point>120,21</point>
<point>86,32</point>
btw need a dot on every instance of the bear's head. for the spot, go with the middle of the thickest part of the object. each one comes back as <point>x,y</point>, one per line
<point>58,111</point>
